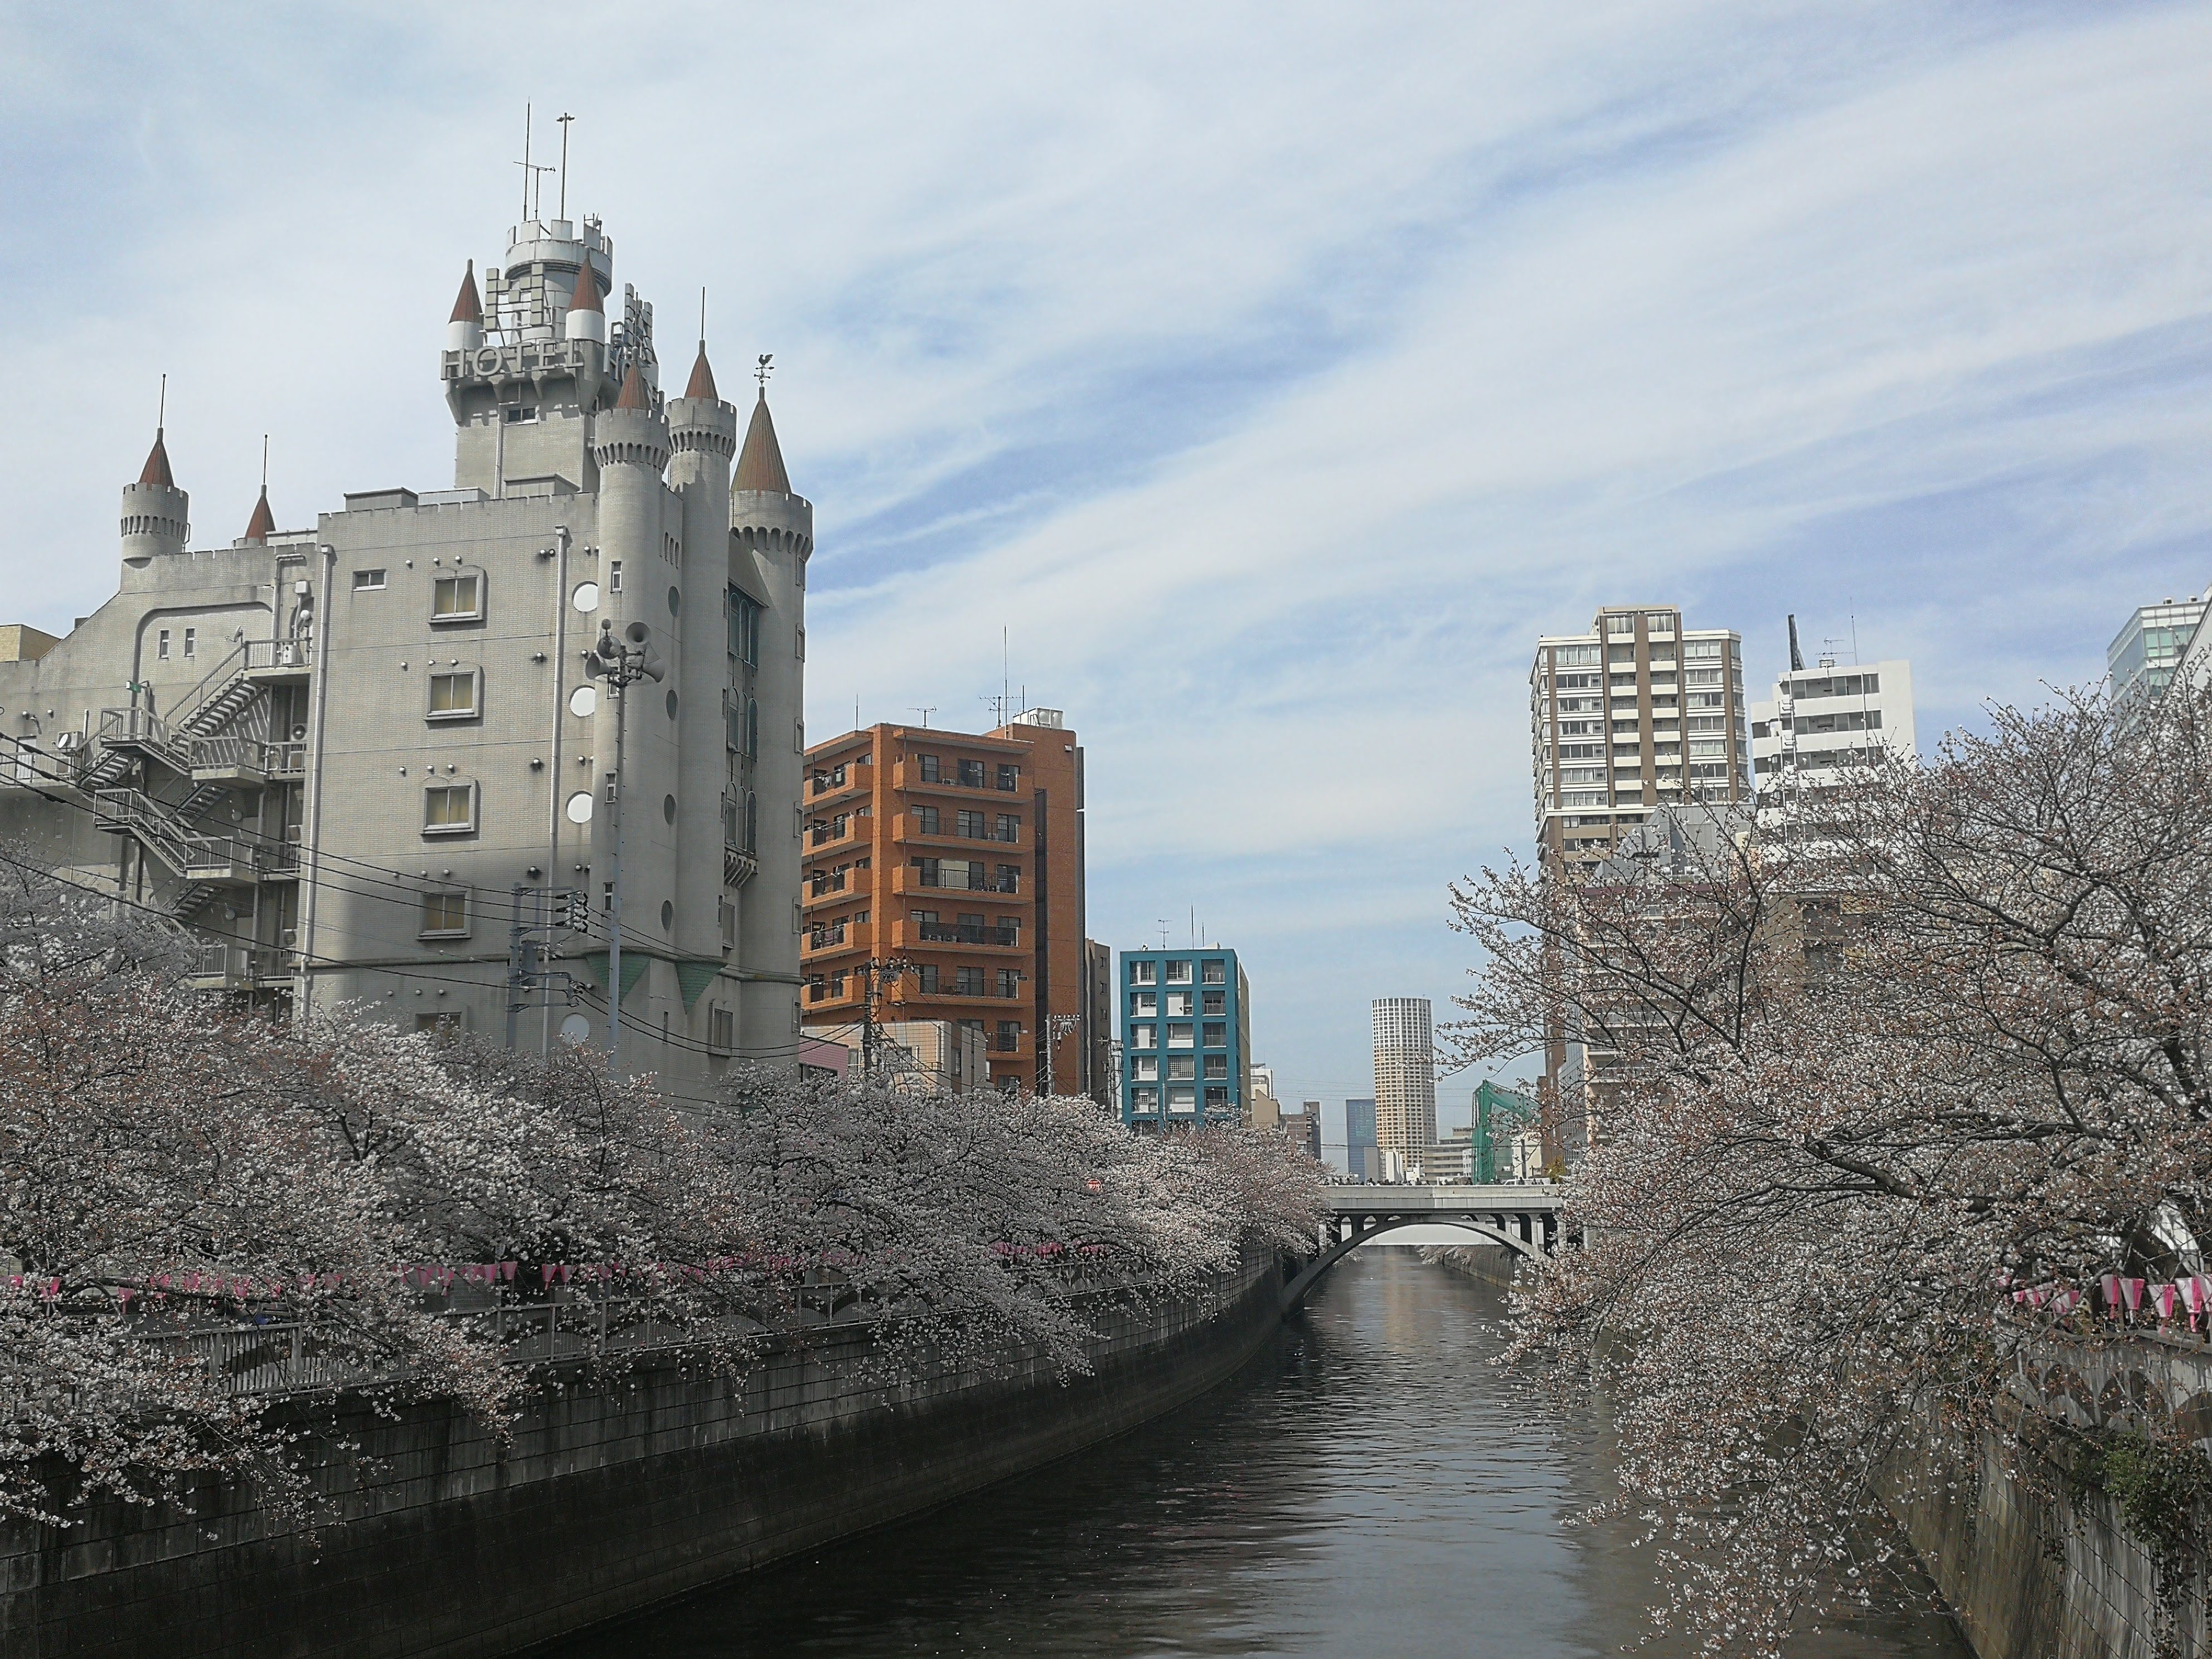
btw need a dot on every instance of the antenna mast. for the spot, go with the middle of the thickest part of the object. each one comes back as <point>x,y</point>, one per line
<point>161,409</point>
<point>565,118</point>
<point>524,163</point>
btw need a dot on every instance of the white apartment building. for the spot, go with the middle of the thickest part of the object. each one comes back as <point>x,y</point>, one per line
<point>1405,1082</point>
<point>1637,714</point>
<point>1825,719</point>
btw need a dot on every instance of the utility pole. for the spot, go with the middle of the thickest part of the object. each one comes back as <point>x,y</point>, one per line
<point>549,911</point>
<point>1056,1026</point>
<point>621,662</point>
<point>871,971</point>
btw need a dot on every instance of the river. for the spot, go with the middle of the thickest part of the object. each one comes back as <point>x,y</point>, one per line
<point>1368,1486</point>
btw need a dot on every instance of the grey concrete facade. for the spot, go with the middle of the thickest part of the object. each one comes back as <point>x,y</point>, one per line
<point>333,755</point>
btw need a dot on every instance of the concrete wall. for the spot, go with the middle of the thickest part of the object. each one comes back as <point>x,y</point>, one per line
<point>607,1500</point>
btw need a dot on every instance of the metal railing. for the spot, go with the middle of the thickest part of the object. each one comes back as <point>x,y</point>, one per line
<point>278,653</point>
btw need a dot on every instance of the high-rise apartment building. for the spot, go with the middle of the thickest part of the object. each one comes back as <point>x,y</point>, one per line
<point>347,758</point>
<point>1823,721</point>
<point>1637,712</point>
<point>1186,1038</point>
<point>1303,1127</point>
<point>2140,660</point>
<point>943,876</point>
<point>1405,1081</point>
<point>1359,1159</point>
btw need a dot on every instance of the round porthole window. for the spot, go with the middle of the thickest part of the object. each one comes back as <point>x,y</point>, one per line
<point>580,807</point>
<point>671,705</point>
<point>575,1028</point>
<point>668,809</point>
<point>675,601</point>
<point>667,915</point>
<point>583,702</point>
<point>587,596</point>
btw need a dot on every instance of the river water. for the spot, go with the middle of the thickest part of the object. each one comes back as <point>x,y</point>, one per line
<point>1368,1486</point>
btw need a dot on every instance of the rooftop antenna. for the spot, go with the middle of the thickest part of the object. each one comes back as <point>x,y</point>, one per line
<point>264,464</point>
<point>1797,657</point>
<point>1853,614</point>
<point>524,162</point>
<point>565,118</point>
<point>924,713</point>
<point>702,316</point>
<point>1006,673</point>
<point>1163,932</point>
<point>161,409</point>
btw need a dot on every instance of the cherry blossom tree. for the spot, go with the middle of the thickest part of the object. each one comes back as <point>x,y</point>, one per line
<point>1850,1071</point>
<point>192,1196</point>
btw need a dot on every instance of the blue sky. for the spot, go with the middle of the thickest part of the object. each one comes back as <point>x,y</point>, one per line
<point>1273,374</point>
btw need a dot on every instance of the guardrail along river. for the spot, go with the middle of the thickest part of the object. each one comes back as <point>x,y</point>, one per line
<point>1369,1486</point>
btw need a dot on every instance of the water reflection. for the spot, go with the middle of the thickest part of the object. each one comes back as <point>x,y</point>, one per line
<point>1369,1486</point>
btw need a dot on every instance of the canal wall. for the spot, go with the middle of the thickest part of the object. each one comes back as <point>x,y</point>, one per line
<point>442,1542</point>
<point>2039,1565</point>
<point>1491,1263</point>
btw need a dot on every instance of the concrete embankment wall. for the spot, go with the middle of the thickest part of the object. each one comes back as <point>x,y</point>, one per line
<point>2036,1569</point>
<point>1491,1263</point>
<point>446,1543</point>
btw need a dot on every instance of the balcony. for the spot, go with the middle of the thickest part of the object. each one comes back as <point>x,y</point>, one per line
<point>906,774</point>
<point>225,965</point>
<point>834,837</point>
<point>221,860</point>
<point>738,866</point>
<point>839,936</point>
<point>950,879</point>
<point>234,762</point>
<point>274,661</point>
<point>908,828</point>
<point>854,777</point>
<point>924,935</point>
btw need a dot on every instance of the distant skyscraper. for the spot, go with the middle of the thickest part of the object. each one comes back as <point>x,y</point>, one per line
<point>1360,1139</point>
<point>2140,660</point>
<point>1405,1078</point>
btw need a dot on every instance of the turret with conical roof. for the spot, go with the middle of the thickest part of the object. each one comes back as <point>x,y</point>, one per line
<point>703,430</point>
<point>263,524</point>
<point>157,514</point>
<point>760,464</point>
<point>465,329</point>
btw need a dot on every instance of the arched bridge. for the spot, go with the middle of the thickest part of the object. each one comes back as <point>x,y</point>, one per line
<point>1524,1220</point>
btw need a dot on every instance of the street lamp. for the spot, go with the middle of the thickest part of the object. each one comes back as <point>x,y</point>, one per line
<point>621,661</point>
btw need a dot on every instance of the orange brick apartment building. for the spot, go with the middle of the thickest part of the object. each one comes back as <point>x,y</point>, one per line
<point>962,856</point>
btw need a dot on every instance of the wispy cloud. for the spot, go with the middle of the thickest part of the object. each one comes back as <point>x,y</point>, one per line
<point>1274,375</point>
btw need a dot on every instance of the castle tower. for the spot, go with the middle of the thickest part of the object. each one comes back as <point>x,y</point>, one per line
<point>772,536</point>
<point>157,514</point>
<point>630,448</point>
<point>702,433</point>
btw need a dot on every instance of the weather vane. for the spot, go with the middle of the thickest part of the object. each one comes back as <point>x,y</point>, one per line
<point>767,367</point>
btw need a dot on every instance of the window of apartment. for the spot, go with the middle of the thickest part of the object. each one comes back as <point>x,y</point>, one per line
<point>1659,622</point>
<point>449,809</point>
<point>930,769</point>
<point>971,826</point>
<point>968,982</point>
<point>614,575</point>
<point>1144,1068</point>
<point>191,644</point>
<point>1707,649</point>
<point>1179,1034</point>
<point>1621,624</point>
<point>1217,1036</point>
<point>445,915</point>
<point>1621,654</point>
<point>1144,1037</point>
<point>928,973</point>
<point>1182,1068</point>
<point>1179,1002</point>
<point>1010,1035</point>
<point>722,1029</point>
<point>1217,972</point>
<point>925,820</point>
<point>1144,973</point>
<point>1010,982</point>
<point>1216,1065</point>
<point>1217,1002</point>
<point>368,580</point>
<point>1144,1002</point>
<point>1010,778</point>
<point>971,775</point>
<point>453,695</point>
<point>1143,1100</point>
<point>1178,973</point>
<point>162,646</point>
<point>1216,1099</point>
<point>1701,676</point>
<point>457,598</point>
<point>1182,1098</point>
<point>1009,827</point>
<point>742,615</point>
<point>1010,878</point>
<point>1006,931</point>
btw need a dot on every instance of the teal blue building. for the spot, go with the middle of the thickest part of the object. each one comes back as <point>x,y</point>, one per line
<point>1185,1025</point>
